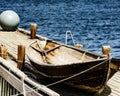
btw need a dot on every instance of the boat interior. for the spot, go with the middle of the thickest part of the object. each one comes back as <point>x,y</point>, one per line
<point>55,53</point>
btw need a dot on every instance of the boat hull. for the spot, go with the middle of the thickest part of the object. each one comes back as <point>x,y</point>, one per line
<point>83,75</point>
<point>69,65</point>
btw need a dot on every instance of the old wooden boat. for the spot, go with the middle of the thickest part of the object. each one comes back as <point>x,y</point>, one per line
<point>78,68</point>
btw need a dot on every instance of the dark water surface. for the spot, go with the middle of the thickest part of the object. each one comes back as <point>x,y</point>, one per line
<point>93,22</point>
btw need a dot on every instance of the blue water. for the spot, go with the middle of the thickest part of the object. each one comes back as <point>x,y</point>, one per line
<point>94,23</point>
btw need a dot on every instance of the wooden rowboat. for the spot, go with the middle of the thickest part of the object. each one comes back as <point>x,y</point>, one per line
<point>79,68</point>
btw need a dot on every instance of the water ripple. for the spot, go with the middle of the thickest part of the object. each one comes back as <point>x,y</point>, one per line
<point>94,23</point>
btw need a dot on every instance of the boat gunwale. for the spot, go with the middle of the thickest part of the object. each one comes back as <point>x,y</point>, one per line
<point>69,64</point>
<point>82,51</point>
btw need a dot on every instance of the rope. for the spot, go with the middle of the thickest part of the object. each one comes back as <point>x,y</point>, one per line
<point>76,74</point>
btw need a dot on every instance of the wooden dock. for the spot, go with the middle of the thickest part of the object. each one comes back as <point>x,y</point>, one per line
<point>12,39</point>
<point>11,76</point>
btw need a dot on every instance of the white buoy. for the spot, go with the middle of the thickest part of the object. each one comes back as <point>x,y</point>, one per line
<point>9,20</point>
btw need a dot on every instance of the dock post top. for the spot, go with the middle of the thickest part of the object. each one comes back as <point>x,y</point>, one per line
<point>33,28</point>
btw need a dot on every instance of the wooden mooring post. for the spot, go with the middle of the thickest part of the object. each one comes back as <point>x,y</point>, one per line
<point>3,51</point>
<point>21,56</point>
<point>106,50</point>
<point>79,46</point>
<point>33,28</point>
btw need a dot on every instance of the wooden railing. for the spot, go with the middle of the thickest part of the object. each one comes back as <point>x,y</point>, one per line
<point>19,83</point>
<point>6,89</point>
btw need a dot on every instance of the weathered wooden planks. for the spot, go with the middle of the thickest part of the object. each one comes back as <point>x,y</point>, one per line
<point>114,84</point>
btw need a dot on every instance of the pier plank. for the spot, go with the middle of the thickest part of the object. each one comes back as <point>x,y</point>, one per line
<point>114,84</point>
<point>11,40</point>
